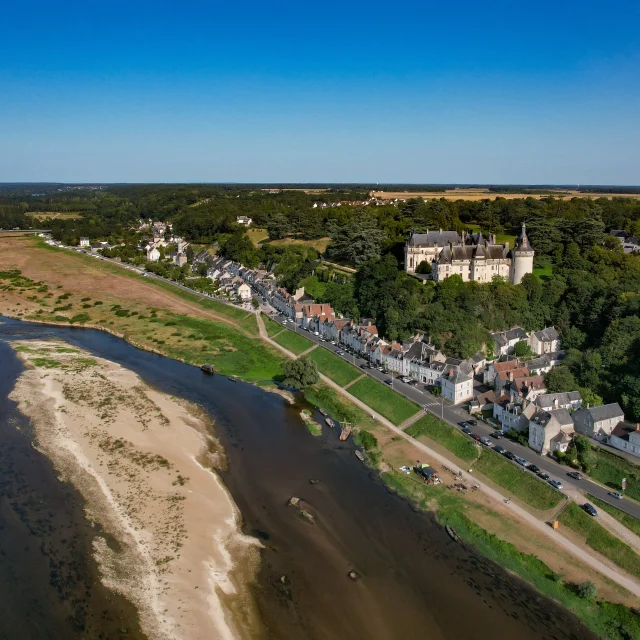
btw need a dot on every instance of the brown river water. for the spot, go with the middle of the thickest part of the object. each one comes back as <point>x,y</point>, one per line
<point>414,578</point>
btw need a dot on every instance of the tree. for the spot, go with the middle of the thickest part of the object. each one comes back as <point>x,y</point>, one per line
<point>301,373</point>
<point>560,379</point>
<point>277,227</point>
<point>522,350</point>
<point>424,267</point>
<point>358,241</point>
<point>587,590</point>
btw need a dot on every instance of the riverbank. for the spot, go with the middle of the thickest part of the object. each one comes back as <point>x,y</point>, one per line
<point>144,463</point>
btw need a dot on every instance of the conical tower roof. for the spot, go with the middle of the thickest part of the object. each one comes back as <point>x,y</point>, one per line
<point>522,243</point>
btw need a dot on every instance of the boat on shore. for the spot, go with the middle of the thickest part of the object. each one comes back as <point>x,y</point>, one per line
<point>452,533</point>
<point>359,455</point>
<point>330,422</point>
<point>346,432</point>
<point>208,369</point>
<point>323,412</point>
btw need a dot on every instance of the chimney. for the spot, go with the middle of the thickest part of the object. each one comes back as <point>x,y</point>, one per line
<point>555,403</point>
<point>511,375</point>
<point>450,373</point>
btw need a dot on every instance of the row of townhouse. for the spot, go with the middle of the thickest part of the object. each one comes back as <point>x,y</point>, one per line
<point>545,341</point>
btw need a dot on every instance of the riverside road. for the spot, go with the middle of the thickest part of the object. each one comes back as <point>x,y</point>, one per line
<point>454,415</point>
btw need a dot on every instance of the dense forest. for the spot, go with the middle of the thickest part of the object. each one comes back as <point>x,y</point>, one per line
<point>583,283</point>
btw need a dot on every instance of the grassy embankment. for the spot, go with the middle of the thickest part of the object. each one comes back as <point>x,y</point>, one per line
<point>383,400</point>
<point>294,342</point>
<point>273,328</point>
<point>599,539</point>
<point>333,367</point>
<point>633,524</point>
<point>435,429</point>
<point>608,620</point>
<point>518,482</point>
<point>609,469</point>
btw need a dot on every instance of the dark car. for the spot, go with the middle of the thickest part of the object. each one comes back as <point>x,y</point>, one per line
<point>544,476</point>
<point>463,424</point>
<point>475,436</point>
<point>590,509</point>
<point>510,455</point>
<point>534,468</point>
<point>499,449</point>
<point>575,475</point>
<point>363,366</point>
<point>388,381</point>
<point>467,431</point>
<point>473,423</point>
<point>497,435</point>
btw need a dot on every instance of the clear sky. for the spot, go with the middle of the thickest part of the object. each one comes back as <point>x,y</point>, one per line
<point>502,91</point>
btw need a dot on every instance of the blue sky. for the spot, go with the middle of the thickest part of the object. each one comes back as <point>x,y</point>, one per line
<point>495,92</point>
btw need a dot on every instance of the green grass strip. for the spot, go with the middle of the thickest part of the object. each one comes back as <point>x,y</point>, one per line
<point>517,482</point>
<point>383,400</point>
<point>333,367</point>
<point>294,342</point>
<point>444,434</point>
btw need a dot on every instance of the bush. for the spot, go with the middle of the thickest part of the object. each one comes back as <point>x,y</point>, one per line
<point>587,590</point>
<point>301,373</point>
<point>367,440</point>
<point>81,317</point>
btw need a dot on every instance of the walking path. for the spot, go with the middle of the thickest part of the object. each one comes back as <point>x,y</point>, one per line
<point>409,421</point>
<point>346,386</point>
<point>596,563</point>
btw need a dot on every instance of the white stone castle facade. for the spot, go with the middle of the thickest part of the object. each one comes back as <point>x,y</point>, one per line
<point>470,256</point>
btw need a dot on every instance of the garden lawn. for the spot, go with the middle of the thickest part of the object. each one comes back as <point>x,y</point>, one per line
<point>334,367</point>
<point>337,407</point>
<point>385,401</point>
<point>294,342</point>
<point>444,434</point>
<point>628,521</point>
<point>517,482</point>
<point>599,539</point>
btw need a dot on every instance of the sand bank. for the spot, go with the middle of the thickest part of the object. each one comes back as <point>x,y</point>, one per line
<point>169,534</point>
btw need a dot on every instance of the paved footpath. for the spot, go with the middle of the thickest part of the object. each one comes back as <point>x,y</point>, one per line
<point>594,562</point>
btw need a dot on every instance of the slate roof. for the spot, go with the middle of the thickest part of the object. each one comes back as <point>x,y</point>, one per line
<point>606,412</point>
<point>547,335</point>
<point>434,239</point>
<point>624,429</point>
<point>568,397</point>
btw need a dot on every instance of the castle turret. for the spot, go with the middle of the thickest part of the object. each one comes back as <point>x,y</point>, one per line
<point>522,257</point>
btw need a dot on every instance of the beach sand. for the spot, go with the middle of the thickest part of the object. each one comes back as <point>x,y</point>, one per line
<point>169,535</point>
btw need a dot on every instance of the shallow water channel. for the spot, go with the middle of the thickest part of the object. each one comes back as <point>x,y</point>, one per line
<point>415,580</point>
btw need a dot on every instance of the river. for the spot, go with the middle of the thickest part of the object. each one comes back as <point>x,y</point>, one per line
<point>415,580</point>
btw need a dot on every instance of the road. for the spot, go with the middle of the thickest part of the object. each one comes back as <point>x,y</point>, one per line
<point>456,414</point>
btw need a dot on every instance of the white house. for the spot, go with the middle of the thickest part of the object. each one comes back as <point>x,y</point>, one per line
<point>598,422</point>
<point>456,386</point>
<point>548,430</point>
<point>505,341</point>
<point>545,341</point>
<point>153,255</point>
<point>244,221</point>
<point>84,242</point>
<point>567,400</point>
<point>626,437</point>
<point>243,291</point>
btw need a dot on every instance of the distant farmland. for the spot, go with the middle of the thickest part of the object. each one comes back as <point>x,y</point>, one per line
<point>485,194</point>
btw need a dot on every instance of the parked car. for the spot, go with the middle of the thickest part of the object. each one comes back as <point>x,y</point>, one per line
<point>590,509</point>
<point>472,422</point>
<point>510,455</point>
<point>556,484</point>
<point>534,468</point>
<point>544,476</point>
<point>616,495</point>
<point>521,461</point>
<point>486,442</point>
<point>467,431</point>
<point>497,435</point>
<point>475,436</point>
<point>464,424</point>
<point>575,475</point>
<point>363,366</point>
<point>388,381</point>
<point>499,449</point>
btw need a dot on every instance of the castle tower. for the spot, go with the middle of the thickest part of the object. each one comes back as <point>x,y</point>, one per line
<point>522,258</point>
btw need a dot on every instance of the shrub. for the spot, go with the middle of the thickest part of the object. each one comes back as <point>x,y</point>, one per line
<point>81,317</point>
<point>587,590</point>
<point>367,440</point>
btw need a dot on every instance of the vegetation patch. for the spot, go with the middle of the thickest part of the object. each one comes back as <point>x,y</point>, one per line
<point>383,400</point>
<point>294,342</point>
<point>333,367</point>
<point>444,434</point>
<point>609,469</point>
<point>338,408</point>
<point>599,539</point>
<point>633,524</point>
<point>518,482</point>
<point>272,327</point>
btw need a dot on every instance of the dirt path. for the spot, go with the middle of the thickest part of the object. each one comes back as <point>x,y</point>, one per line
<point>596,562</point>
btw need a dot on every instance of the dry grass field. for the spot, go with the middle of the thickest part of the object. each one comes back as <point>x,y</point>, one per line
<point>260,236</point>
<point>52,215</point>
<point>485,194</point>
